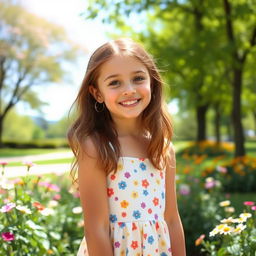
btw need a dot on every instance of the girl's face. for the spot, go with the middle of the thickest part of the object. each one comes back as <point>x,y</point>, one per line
<point>124,87</point>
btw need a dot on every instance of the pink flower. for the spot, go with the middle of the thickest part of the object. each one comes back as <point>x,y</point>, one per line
<point>8,207</point>
<point>57,197</point>
<point>7,236</point>
<point>76,194</point>
<point>221,169</point>
<point>3,163</point>
<point>50,186</point>
<point>253,208</point>
<point>28,163</point>
<point>249,203</point>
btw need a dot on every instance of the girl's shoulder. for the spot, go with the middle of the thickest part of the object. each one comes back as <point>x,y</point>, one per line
<point>89,147</point>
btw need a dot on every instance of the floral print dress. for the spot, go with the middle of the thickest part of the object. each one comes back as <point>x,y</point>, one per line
<point>136,202</point>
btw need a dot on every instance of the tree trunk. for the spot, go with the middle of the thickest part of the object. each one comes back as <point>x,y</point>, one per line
<point>1,132</point>
<point>201,122</point>
<point>217,123</point>
<point>229,130</point>
<point>254,116</point>
<point>236,112</point>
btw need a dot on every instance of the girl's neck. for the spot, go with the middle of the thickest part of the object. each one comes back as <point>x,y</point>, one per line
<point>128,128</point>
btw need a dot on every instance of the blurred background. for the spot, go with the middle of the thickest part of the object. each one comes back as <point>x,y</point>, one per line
<point>205,50</point>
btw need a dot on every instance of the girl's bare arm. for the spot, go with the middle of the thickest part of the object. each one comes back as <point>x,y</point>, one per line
<point>171,209</point>
<point>94,201</point>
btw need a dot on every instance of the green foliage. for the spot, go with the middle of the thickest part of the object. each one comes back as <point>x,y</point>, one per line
<point>38,143</point>
<point>20,128</point>
<point>32,53</point>
<point>237,175</point>
<point>233,236</point>
<point>208,149</point>
<point>45,223</point>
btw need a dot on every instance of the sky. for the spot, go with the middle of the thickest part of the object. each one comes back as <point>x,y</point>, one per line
<point>89,34</point>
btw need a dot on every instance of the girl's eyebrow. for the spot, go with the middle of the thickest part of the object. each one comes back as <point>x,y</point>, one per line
<point>115,75</point>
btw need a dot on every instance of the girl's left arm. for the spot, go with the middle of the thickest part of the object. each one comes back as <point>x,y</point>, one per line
<point>171,214</point>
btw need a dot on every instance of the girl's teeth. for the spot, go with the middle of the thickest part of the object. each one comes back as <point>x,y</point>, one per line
<point>129,102</point>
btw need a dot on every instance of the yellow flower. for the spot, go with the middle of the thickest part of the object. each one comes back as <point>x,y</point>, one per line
<point>239,228</point>
<point>134,194</point>
<point>224,203</point>
<point>245,215</point>
<point>119,167</point>
<point>135,183</point>
<point>228,220</point>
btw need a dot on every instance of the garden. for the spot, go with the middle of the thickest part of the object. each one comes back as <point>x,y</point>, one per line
<point>41,215</point>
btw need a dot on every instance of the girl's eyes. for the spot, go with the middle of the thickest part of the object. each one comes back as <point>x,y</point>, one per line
<point>139,78</point>
<point>136,79</point>
<point>115,82</point>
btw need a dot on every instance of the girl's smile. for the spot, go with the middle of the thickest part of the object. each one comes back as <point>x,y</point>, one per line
<point>124,87</point>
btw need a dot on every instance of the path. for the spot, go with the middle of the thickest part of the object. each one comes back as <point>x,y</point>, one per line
<point>16,171</point>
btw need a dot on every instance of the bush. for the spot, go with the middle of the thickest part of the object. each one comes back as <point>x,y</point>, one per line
<point>237,175</point>
<point>38,217</point>
<point>209,148</point>
<point>233,236</point>
<point>39,143</point>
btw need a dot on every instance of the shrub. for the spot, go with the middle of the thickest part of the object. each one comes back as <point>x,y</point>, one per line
<point>37,217</point>
<point>209,148</point>
<point>237,175</point>
<point>233,236</point>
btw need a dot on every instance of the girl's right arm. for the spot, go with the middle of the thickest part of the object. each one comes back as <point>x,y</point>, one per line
<point>93,196</point>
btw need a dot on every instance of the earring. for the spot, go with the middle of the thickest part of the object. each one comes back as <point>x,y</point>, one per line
<point>97,108</point>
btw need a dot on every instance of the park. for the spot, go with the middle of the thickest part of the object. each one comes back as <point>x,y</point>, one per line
<point>206,55</point>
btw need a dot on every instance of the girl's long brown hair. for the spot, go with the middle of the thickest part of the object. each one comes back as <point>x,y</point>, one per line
<point>99,126</point>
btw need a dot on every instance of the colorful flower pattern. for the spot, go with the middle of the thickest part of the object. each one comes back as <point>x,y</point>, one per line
<point>136,201</point>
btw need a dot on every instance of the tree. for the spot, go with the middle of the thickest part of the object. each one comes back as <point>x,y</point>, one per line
<point>31,53</point>
<point>241,36</point>
<point>210,25</point>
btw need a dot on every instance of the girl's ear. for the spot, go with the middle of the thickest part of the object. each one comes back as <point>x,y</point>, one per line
<point>95,93</point>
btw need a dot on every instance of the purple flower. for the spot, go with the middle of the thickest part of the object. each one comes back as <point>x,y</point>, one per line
<point>127,175</point>
<point>8,207</point>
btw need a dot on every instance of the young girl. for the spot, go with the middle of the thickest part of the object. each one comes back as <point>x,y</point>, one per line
<point>126,161</point>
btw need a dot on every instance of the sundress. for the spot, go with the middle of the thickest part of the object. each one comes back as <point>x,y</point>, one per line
<point>136,196</point>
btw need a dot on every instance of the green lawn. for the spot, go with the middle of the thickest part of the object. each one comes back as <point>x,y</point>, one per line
<point>12,152</point>
<point>42,162</point>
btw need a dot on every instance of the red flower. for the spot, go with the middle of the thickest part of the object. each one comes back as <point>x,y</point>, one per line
<point>39,206</point>
<point>7,236</point>
<point>110,192</point>
<point>156,201</point>
<point>112,177</point>
<point>134,227</point>
<point>145,183</point>
<point>149,210</point>
<point>134,244</point>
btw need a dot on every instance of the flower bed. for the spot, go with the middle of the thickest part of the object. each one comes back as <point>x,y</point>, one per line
<point>38,217</point>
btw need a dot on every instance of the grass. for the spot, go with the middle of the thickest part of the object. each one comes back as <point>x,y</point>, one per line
<point>43,162</point>
<point>237,200</point>
<point>12,152</point>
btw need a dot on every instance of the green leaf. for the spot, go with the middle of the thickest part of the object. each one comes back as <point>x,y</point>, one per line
<point>40,234</point>
<point>234,249</point>
<point>32,225</point>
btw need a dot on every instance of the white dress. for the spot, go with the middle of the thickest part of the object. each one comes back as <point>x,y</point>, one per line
<point>136,196</point>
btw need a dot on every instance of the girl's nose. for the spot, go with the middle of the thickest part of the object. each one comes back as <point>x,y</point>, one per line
<point>129,89</point>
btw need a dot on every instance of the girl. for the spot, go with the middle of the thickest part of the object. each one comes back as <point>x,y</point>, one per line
<point>126,161</point>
